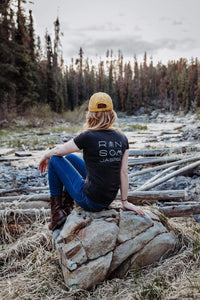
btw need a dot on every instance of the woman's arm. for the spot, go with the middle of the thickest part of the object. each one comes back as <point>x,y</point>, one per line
<point>60,150</point>
<point>125,184</point>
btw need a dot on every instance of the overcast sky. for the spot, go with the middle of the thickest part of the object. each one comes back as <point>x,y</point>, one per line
<point>165,29</point>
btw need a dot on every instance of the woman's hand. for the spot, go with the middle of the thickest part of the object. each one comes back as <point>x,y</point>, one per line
<point>130,206</point>
<point>59,150</point>
<point>43,164</point>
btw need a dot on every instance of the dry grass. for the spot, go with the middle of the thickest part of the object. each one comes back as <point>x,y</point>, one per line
<point>29,269</point>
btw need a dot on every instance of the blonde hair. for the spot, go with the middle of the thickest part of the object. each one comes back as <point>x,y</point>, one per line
<point>100,120</point>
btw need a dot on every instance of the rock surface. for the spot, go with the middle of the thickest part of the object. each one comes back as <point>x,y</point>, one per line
<point>95,246</point>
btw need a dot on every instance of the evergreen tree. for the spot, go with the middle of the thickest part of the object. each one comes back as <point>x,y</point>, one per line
<point>25,80</point>
<point>7,60</point>
<point>80,79</point>
<point>72,87</point>
<point>136,86</point>
<point>50,80</point>
<point>129,88</point>
<point>57,74</point>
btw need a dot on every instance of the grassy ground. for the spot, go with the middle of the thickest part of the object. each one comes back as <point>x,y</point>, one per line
<point>41,128</point>
<point>29,269</point>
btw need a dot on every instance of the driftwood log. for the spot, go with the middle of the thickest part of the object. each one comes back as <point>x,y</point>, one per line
<point>164,166</point>
<point>150,160</point>
<point>22,189</point>
<point>180,210</point>
<point>133,196</point>
<point>161,152</point>
<point>34,197</point>
<point>181,171</point>
<point>141,197</point>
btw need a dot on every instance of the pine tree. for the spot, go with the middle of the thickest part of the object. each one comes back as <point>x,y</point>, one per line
<point>50,81</point>
<point>136,86</point>
<point>120,83</point>
<point>89,76</point>
<point>58,77</point>
<point>25,80</point>
<point>72,86</point>
<point>129,88</point>
<point>7,67</point>
<point>80,79</point>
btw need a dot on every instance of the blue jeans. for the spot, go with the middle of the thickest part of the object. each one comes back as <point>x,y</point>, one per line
<point>70,172</point>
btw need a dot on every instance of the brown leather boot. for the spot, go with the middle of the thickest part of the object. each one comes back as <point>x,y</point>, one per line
<point>68,203</point>
<point>57,215</point>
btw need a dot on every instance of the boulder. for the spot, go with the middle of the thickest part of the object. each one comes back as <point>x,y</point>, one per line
<point>93,247</point>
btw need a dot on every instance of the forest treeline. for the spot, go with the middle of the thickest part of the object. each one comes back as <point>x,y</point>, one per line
<point>30,75</point>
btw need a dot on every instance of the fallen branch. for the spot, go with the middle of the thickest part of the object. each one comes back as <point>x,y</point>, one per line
<point>140,197</point>
<point>148,170</point>
<point>22,153</point>
<point>180,203</point>
<point>35,197</point>
<point>157,152</point>
<point>169,176</point>
<point>28,189</point>
<point>132,196</point>
<point>150,160</point>
<point>154,178</point>
<point>5,159</point>
<point>180,210</point>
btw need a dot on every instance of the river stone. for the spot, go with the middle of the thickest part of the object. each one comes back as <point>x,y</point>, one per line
<point>130,225</point>
<point>93,247</point>
<point>88,275</point>
<point>73,254</point>
<point>150,253</point>
<point>124,250</point>
<point>75,222</point>
<point>103,233</point>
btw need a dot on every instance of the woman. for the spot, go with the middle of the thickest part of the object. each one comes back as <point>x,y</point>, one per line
<point>92,183</point>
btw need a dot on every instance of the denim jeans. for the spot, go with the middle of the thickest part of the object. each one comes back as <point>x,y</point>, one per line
<point>69,172</point>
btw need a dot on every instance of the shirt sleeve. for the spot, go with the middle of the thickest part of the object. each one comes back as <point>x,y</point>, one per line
<point>126,142</point>
<point>80,140</point>
<point>127,146</point>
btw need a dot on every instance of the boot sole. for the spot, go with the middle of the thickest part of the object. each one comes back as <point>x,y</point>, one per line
<point>59,224</point>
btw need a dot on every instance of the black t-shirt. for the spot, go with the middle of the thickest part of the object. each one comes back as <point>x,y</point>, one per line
<point>102,153</point>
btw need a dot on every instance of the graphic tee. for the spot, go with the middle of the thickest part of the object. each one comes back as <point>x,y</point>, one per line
<point>102,153</point>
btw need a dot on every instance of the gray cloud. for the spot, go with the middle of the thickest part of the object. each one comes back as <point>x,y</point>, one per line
<point>129,45</point>
<point>108,26</point>
<point>135,45</point>
<point>171,44</point>
<point>163,19</point>
<point>177,23</point>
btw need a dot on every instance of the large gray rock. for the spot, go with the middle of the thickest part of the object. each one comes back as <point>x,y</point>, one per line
<point>95,246</point>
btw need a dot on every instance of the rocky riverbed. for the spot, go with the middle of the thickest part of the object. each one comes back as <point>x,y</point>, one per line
<point>176,136</point>
<point>27,254</point>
